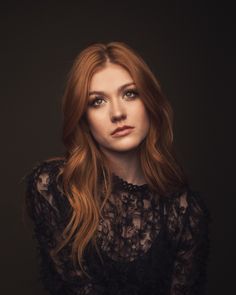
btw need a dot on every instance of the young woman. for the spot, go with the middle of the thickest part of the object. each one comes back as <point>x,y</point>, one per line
<point>115,214</point>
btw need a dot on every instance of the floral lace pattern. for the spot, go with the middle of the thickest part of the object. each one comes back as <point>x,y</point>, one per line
<point>131,222</point>
<point>150,244</point>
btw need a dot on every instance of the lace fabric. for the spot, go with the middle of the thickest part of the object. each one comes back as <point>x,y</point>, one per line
<point>150,244</point>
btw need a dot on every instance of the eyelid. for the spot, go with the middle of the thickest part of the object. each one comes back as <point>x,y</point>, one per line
<point>134,90</point>
<point>131,89</point>
<point>93,100</point>
<point>98,96</point>
<point>124,91</point>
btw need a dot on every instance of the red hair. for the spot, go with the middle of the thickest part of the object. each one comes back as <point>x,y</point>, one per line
<point>86,176</point>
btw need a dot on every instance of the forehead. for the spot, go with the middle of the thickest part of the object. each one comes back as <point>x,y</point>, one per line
<point>112,76</point>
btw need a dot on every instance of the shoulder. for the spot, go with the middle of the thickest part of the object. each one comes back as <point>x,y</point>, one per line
<point>43,186</point>
<point>50,167</point>
<point>44,174</point>
<point>187,208</point>
<point>187,200</point>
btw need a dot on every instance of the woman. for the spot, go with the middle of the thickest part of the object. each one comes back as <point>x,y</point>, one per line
<point>115,214</point>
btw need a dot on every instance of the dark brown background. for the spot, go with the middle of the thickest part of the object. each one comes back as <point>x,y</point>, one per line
<point>189,48</point>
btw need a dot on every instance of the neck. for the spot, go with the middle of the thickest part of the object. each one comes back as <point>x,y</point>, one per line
<point>126,165</point>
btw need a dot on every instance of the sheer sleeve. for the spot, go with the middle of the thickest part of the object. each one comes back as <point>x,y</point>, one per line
<point>49,212</point>
<point>190,265</point>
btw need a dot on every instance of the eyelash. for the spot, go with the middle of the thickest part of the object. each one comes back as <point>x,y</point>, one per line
<point>134,91</point>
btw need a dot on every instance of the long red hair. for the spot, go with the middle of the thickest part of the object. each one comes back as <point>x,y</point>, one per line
<point>86,175</point>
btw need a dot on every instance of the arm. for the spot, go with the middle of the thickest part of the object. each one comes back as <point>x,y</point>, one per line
<point>49,212</point>
<point>190,265</point>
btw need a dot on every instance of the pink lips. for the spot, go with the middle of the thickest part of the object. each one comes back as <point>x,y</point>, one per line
<point>122,130</point>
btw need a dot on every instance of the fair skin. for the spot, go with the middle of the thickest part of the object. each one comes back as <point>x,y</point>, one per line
<point>113,108</point>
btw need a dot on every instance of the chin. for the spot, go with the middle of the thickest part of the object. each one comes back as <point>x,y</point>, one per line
<point>125,144</point>
<point>123,147</point>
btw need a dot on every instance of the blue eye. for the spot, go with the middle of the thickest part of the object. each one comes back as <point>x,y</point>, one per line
<point>131,93</point>
<point>96,101</point>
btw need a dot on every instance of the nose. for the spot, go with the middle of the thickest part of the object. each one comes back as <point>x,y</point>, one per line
<point>117,112</point>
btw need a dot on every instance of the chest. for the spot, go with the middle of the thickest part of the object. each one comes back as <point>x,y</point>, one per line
<point>129,227</point>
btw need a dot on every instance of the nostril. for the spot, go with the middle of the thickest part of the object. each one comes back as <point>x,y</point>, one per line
<point>116,118</point>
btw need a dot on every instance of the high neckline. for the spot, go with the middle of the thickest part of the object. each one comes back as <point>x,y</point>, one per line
<point>128,186</point>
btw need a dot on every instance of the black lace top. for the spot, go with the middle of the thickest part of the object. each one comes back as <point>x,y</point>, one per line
<point>149,244</point>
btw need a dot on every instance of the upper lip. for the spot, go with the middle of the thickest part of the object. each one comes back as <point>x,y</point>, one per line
<point>121,128</point>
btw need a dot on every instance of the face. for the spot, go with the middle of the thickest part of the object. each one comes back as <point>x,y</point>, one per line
<point>114,102</point>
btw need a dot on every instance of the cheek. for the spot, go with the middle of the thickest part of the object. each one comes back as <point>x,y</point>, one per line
<point>96,123</point>
<point>144,116</point>
<point>94,120</point>
<point>146,120</point>
<point>141,116</point>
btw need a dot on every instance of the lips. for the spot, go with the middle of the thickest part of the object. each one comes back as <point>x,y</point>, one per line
<point>121,129</point>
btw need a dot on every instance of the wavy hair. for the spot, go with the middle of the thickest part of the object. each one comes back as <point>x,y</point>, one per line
<point>86,175</point>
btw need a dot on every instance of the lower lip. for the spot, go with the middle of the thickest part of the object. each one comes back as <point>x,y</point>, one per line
<point>122,132</point>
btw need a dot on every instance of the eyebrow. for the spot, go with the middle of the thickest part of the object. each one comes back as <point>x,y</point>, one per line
<point>119,89</point>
